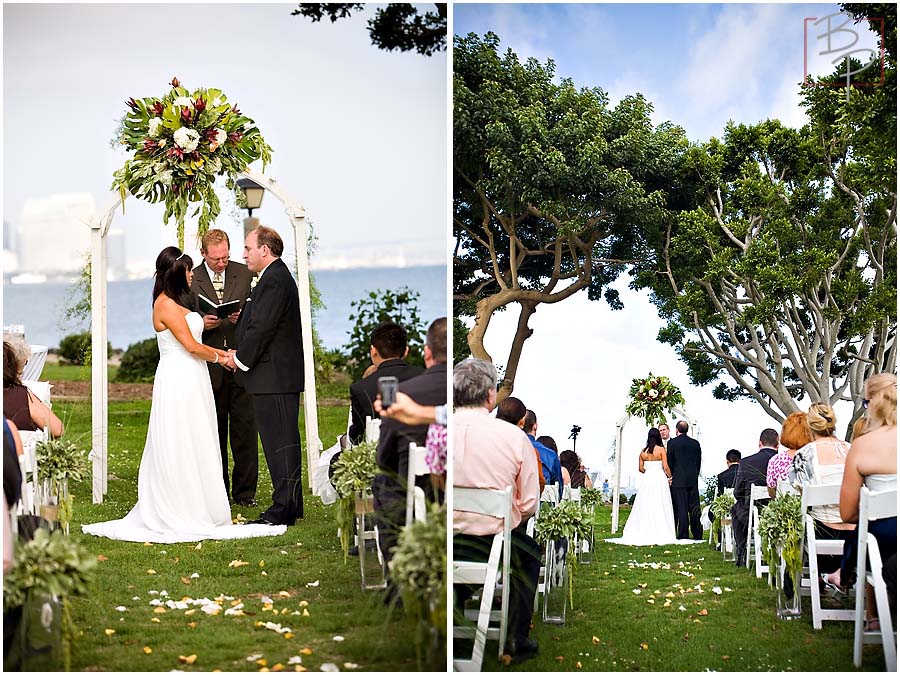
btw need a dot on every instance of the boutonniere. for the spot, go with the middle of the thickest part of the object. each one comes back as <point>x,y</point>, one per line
<point>254,281</point>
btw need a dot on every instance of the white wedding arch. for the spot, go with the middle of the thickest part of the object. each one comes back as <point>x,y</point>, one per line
<point>99,374</point>
<point>617,471</point>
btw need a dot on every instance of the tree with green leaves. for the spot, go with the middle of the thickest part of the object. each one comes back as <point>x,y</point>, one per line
<point>554,191</point>
<point>398,26</point>
<point>783,283</point>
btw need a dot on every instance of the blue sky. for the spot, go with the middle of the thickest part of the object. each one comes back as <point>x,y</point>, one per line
<point>700,65</point>
<point>359,134</point>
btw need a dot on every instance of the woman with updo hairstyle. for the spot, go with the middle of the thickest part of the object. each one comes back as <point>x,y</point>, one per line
<point>572,463</point>
<point>20,405</point>
<point>794,435</point>
<point>871,461</point>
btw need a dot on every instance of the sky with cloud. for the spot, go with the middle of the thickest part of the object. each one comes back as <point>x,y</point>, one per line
<point>360,134</point>
<point>700,66</point>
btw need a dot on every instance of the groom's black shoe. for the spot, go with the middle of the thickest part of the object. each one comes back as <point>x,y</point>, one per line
<point>249,501</point>
<point>261,521</point>
<point>522,650</point>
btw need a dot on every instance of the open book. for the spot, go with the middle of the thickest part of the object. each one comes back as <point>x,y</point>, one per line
<point>222,311</point>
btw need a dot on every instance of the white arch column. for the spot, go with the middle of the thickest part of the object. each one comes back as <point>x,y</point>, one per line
<point>99,373</point>
<point>617,471</point>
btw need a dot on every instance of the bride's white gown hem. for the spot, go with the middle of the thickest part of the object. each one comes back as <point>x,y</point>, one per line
<point>652,519</point>
<point>181,494</point>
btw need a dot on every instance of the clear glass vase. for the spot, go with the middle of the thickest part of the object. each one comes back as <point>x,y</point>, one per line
<point>586,544</point>
<point>727,539</point>
<point>787,597</point>
<point>371,567</point>
<point>556,582</point>
<point>41,633</point>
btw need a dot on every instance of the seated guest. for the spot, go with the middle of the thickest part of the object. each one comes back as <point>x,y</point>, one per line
<point>751,471</point>
<point>549,442</point>
<point>491,453</point>
<point>387,350</point>
<point>572,463</point>
<point>726,478</point>
<point>512,410</point>
<point>549,461</point>
<point>20,405</point>
<point>795,434</point>
<point>392,453</point>
<point>821,462</point>
<point>872,461</point>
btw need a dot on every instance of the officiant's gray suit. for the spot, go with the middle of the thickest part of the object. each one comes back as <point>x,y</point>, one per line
<point>233,403</point>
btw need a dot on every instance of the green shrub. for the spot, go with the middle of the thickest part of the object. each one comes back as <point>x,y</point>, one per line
<point>631,499</point>
<point>76,349</point>
<point>622,498</point>
<point>139,362</point>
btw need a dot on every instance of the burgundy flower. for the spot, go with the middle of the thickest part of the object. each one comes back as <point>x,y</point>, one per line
<point>149,145</point>
<point>199,105</point>
<point>157,108</point>
<point>211,134</point>
<point>175,151</point>
<point>175,82</point>
<point>235,110</point>
<point>235,137</point>
<point>195,155</point>
<point>186,115</point>
<point>132,104</point>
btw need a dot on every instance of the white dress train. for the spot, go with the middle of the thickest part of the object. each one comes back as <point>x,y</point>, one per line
<point>181,495</point>
<point>652,519</point>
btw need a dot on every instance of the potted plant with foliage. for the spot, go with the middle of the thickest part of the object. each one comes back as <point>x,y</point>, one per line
<point>419,570</point>
<point>58,462</point>
<point>781,530</point>
<point>721,523</point>
<point>556,527</point>
<point>353,473</point>
<point>46,572</point>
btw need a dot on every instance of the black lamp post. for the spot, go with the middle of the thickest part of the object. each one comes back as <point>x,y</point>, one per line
<point>253,195</point>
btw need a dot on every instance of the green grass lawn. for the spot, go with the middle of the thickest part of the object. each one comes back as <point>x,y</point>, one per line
<point>60,371</point>
<point>614,626</point>
<point>311,589</point>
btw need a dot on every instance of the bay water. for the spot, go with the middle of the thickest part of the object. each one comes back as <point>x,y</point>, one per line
<point>41,307</point>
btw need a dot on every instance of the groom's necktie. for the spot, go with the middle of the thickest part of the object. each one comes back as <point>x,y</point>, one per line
<point>219,285</point>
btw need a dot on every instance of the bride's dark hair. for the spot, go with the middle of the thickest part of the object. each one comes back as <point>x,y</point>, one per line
<point>171,275</point>
<point>654,438</point>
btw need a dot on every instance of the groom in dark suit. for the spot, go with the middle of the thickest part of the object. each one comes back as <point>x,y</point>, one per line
<point>683,454</point>
<point>269,362</point>
<point>221,279</point>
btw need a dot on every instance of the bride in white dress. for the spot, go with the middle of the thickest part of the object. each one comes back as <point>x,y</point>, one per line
<point>652,519</point>
<point>181,495</point>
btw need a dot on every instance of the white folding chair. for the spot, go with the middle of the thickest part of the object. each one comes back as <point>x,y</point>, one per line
<point>819,495</point>
<point>873,506</point>
<point>31,497</point>
<point>754,552</point>
<point>489,575</point>
<point>550,496</point>
<point>415,496</point>
<point>784,487</point>
<point>373,428</point>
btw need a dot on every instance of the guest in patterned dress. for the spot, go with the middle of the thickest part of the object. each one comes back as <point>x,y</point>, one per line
<point>795,434</point>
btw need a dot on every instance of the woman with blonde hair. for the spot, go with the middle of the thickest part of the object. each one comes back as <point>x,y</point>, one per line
<point>872,461</point>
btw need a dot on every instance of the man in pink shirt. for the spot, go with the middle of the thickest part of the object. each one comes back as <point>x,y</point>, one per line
<point>491,453</point>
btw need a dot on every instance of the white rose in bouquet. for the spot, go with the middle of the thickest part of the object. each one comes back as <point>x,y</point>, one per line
<point>653,394</point>
<point>155,125</point>
<point>165,177</point>
<point>186,139</point>
<point>221,136</point>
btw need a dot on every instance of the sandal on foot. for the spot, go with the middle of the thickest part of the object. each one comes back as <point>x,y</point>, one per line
<point>871,625</point>
<point>832,587</point>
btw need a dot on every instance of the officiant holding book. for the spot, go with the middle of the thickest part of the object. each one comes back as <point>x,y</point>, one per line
<point>220,280</point>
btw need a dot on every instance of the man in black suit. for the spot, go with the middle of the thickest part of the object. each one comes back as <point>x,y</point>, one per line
<point>683,454</point>
<point>392,455</point>
<point>388,350</point>
<point>751,471</point>
<point>726,478</point>
<point>220,280</point>
<point>269,359</point>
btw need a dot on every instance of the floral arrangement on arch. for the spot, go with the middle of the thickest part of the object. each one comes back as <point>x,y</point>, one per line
<point>651,397</point>
<point>182,142</point>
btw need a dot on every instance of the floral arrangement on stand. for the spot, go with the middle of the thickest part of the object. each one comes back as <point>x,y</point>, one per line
<point>353,473</point>
<point>52,565</point>
<point>59,462</point>
<point>721,508</point>
<point>182,142</point>
<point>591,497</point>
<point>419,570</point>
<point>562,522</point>
<point>651,397</point>
<point>781,530</point>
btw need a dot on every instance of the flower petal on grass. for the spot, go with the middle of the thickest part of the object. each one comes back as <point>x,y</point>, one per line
<point>109,631</point>
<point>306,651</point>
<point>237,563</point>
<point>151,571</point>
<point>338,638</point>
<point>121,608</point>
<point>350,666</point>
<point>187,659</point>
<point>195,576</point>
<point>253,657</point>
<point>313,584</point>
<point>155,619</point>
<point>148,650</point>
<point>595,640</point>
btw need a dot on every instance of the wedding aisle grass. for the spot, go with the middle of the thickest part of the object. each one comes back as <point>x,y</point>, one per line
<point>614,626</point>
<point>311,589</point>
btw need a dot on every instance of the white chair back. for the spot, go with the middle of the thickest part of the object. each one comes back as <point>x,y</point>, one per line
<point>571,494</point>
<point>784,487</point>
<point>496,503</point>
<point>415,496</point>
<point>373,429</point>
<point>874,506</point>
<point>754,541</point>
